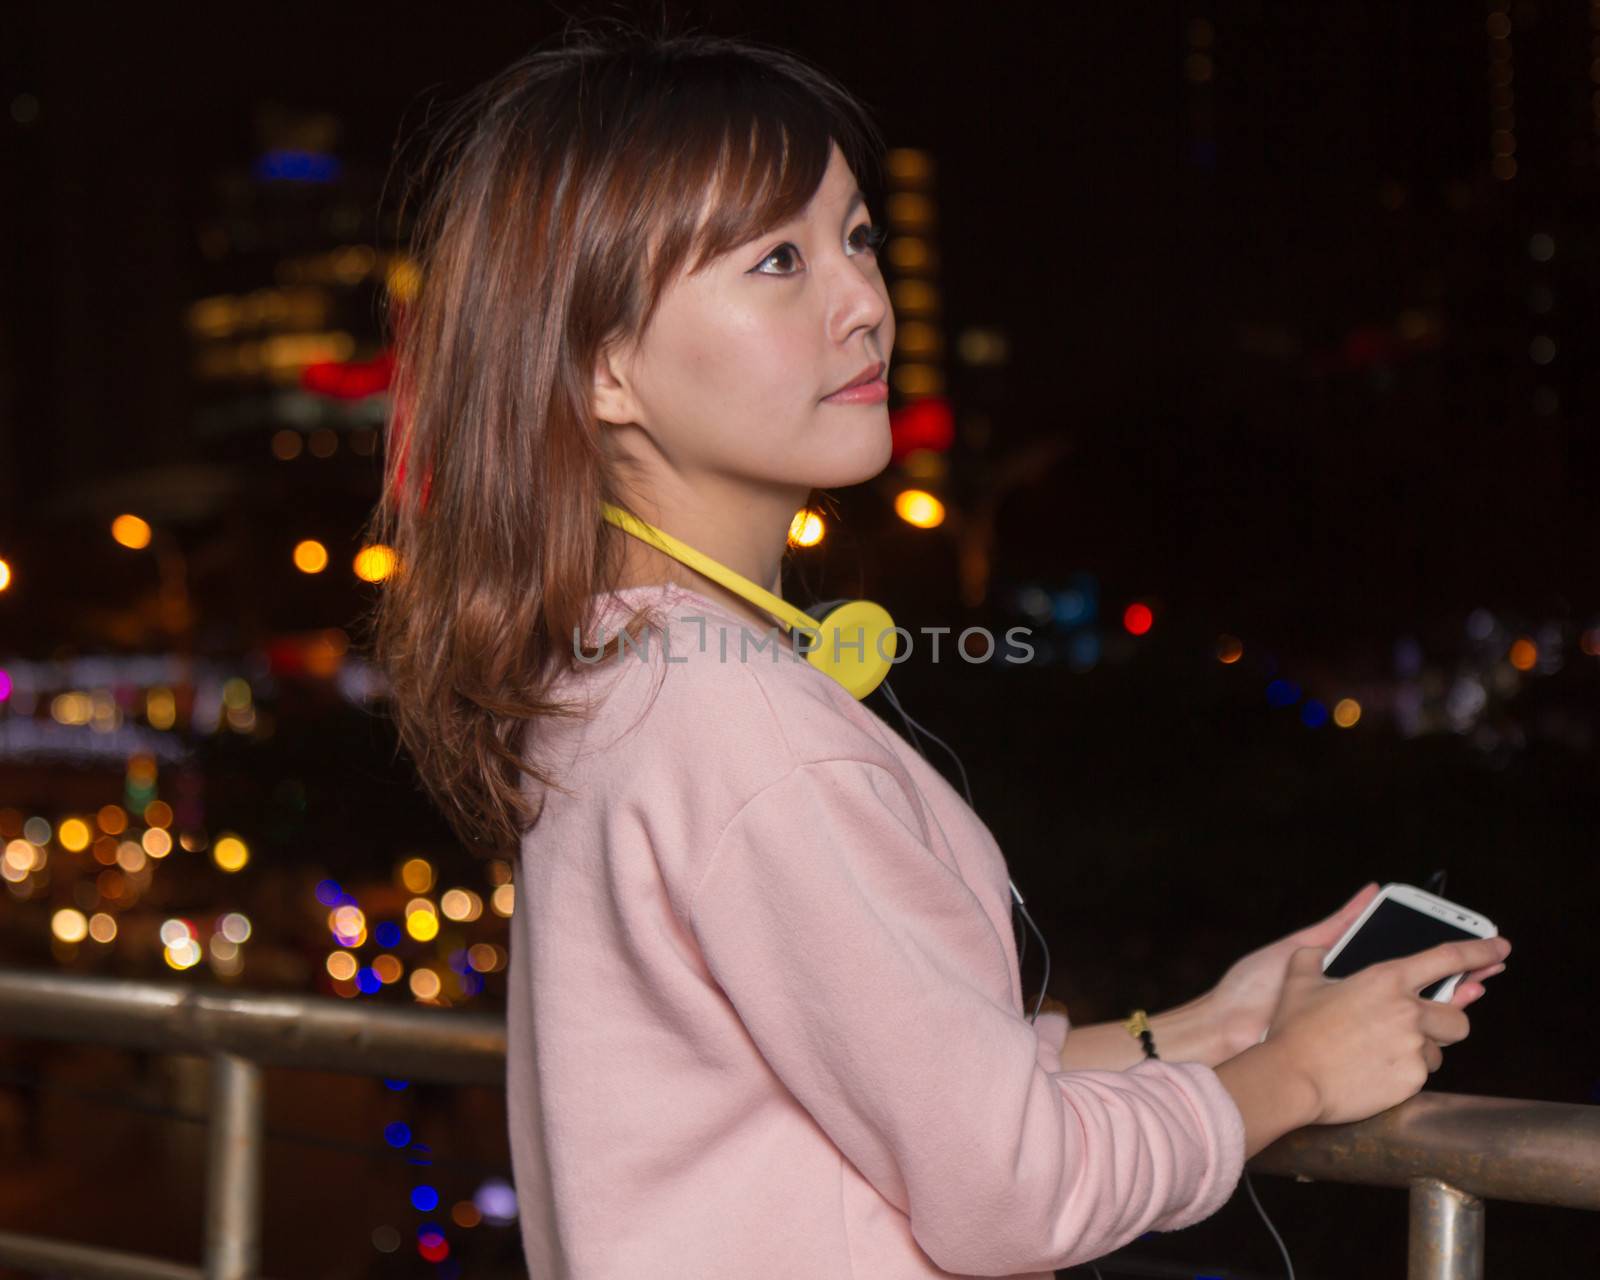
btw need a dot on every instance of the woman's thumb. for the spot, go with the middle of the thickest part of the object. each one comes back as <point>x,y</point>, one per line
<point>1307,960</point>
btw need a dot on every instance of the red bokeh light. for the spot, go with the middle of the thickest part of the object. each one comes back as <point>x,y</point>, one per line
<point>928,423</point>
<point>434,1248</point>
<point>1138,619</point>
<point>349,379</point>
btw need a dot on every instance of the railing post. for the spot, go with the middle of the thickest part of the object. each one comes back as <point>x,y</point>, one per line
<point>1446,1241</point>
<point>233,1173</point>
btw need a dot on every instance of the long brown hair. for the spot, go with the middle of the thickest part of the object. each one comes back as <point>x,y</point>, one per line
<point>554,203</point>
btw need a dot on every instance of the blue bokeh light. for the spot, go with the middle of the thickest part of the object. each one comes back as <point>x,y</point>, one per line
<point>1283,693</point>
<point>397,1134</point>
<point>395,1085</point>
<point>368,981</point>
<point>329,893</point>
<point>284,164</point>
<point>387,934</point>
<point>1313,715</point>
<point>424,1198</point>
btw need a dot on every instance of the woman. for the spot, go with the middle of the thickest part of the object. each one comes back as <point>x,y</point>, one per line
<point>765,1015</point>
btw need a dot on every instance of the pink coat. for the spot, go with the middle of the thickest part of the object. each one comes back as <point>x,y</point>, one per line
<point>765,1017</point>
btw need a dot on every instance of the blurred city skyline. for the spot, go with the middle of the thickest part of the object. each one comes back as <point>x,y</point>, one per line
<point>1320,371</point>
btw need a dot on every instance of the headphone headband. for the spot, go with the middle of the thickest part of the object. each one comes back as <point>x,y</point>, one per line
<point>857,663</point>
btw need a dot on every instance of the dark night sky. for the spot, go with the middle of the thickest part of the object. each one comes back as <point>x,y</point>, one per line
<point>1183,322</point>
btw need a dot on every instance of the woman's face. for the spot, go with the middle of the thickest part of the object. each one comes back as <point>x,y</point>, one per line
<point>729,381</point>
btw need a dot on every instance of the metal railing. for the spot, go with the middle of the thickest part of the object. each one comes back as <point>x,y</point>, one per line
<point>1452,1151</point>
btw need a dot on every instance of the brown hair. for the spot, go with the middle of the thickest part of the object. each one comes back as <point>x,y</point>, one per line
<point>556,202</point>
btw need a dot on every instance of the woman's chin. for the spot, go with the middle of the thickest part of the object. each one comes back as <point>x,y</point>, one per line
<point>864,459</point>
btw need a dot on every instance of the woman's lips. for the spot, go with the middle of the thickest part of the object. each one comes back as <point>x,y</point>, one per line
<point>874,392</point>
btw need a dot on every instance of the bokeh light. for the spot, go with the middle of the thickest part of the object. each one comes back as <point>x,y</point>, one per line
<point>310,556</point>
<point>131,532</point>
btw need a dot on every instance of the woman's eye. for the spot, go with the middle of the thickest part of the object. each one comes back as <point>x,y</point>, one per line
<point>865,237</point>
<point>873,238</point>
<point>781,251</point>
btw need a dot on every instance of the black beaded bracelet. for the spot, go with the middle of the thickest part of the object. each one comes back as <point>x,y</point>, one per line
<point>1139,1025</point>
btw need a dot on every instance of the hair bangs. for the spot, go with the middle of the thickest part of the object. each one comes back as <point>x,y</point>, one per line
<point>751,159</point>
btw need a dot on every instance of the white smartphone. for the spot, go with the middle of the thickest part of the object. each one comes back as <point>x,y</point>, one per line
<point>1401,921</point>
<point>1404,920</point>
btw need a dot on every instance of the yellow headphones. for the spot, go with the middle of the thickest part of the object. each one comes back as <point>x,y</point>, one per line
<point>861,632</point>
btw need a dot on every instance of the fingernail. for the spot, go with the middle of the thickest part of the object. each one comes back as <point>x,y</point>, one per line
<point>1499,968</point>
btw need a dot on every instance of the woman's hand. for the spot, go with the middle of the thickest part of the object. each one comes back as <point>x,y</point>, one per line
<point>1243,1001</point>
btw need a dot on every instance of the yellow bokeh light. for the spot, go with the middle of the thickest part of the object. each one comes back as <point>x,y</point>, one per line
<point>909,253</point>
<point>5,575</point>
<point>156,842</point>
<point>69,925</point>
<point>925,464</point>
<point>73,834</point>
<point>404,278</point>
<point>1524,654</point>
<point>417,875</point>
<point>503,899</point>
<point>919,507</point>
<point>1229,649</point>
<point>806,529</point>
<point>374,563</point>
<point>913,379</point>
<point>230,853</point>
<point>915,297</point>
<point>131,532</point>
<point>484,957</point>
<point>1346,712</point>
<point>71,708</point>
<point>461,904</point>
<point>341,965</point>
<point>158,813</point>
<point>183,954</point>
<point>422,925</point>
<point>908,166</point>
<point>424,984</point>
<point>102,928</point>
<point>310,556</point>
<point>130,857</point>
<point>113,821</point>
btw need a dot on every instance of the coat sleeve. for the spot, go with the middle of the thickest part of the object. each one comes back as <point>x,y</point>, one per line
<point>851,953</point>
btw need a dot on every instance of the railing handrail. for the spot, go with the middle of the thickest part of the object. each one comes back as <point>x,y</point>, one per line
<point>1451,1150</point>
<point>315,1032</point>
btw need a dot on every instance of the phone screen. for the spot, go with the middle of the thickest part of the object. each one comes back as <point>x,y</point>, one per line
<point>1391,931</point>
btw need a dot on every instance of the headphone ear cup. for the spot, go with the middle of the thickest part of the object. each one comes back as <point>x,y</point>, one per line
<point>857,645</point>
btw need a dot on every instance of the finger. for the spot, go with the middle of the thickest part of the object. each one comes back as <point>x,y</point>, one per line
<point>1445,1023</point>
<point>1426,967</point>
<point>1465,993</point>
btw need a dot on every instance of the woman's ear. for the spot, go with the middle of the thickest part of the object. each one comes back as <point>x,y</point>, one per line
<point>612,398</point>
